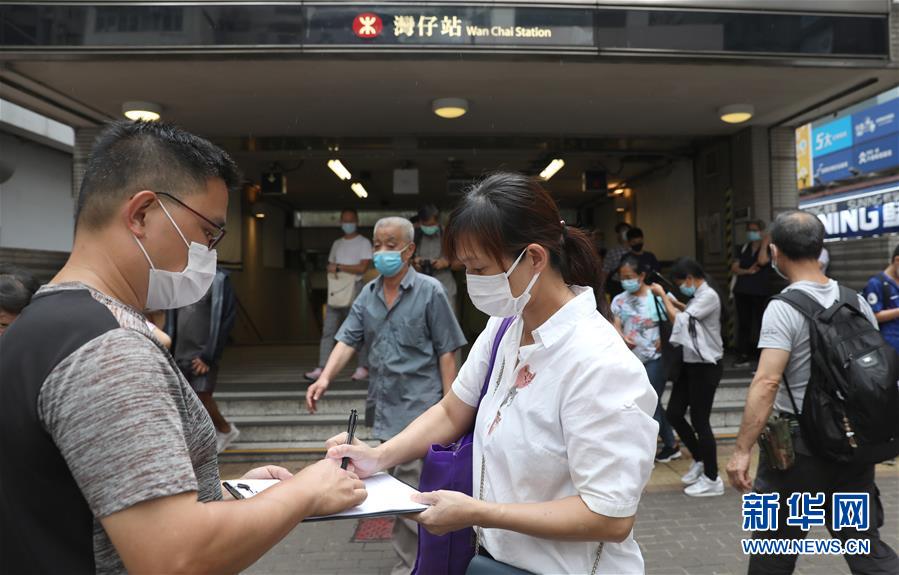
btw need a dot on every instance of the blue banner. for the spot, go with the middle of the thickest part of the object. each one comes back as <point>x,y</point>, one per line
<point>832,167</point>
<point>867,212</point>
<point>877,155</point>
<point>876,122</point>
<point>832,137</point>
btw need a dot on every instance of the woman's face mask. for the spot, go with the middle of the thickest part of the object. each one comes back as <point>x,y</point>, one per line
<point>687,290</point>
<point>753,235</point>
<point>493,294</point>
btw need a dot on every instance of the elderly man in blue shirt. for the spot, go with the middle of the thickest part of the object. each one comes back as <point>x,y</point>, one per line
<point>414,334</point>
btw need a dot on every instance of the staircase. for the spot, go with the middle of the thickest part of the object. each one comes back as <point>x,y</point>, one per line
<point>261,389</point>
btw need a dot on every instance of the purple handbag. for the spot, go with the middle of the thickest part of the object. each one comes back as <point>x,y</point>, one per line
<point>450,467</point>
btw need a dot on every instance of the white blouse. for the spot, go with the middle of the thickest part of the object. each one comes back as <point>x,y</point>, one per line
<point>568,415</point>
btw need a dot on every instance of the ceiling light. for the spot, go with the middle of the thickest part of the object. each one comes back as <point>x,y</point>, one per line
<point>359,190</point>
<point>340,170</point>
<point>618,192</point>
<point>258,209</point>
<point>145,111</point>
<point>450,108</point>
<point>553,167</point>
<point>736,113</point>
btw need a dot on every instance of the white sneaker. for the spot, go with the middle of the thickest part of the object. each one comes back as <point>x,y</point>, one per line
<point>705,487</point>
<point>692,476</point>
<point>223,440</point>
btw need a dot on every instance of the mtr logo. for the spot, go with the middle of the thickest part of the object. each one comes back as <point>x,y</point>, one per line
<point>367,26</point>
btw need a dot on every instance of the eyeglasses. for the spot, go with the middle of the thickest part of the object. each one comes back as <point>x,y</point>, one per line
<point>212,240</point>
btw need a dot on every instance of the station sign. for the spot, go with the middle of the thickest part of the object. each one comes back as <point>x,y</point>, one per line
<point>462,26</point>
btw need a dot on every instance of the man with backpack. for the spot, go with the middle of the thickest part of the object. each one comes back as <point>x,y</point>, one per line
<point>834,417</point>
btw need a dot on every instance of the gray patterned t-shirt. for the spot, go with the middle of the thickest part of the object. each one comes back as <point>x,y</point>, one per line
<point>126,422</point>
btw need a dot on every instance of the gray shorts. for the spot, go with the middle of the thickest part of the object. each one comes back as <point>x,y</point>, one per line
<point>200,383</point>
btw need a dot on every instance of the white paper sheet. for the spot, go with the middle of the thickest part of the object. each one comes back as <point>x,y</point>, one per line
<point>386,496</point>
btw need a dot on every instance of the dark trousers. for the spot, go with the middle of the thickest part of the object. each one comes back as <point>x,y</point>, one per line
<point>695,389</point>
<point>750,309</point>
<point>816,475</point>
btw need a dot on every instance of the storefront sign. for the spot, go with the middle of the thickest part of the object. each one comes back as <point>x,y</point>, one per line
<point>876,122</point>
<point>863,142</point>
<point>861,213</point>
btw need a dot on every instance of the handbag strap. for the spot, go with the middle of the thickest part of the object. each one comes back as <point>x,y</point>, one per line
<point>503,327</point>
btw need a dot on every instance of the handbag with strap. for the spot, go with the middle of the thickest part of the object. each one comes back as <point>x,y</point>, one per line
<point>341,287</point>
<point>450,467</point>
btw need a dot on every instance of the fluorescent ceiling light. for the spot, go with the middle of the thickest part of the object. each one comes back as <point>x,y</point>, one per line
<point>146,111</point>
<point>450,108</point>
<point>340,170</point>
<point>736,113</point>
<point>553,167</point>
<point>359,190</point>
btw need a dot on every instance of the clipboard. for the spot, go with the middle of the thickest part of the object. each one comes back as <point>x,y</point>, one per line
<point>387,495</point>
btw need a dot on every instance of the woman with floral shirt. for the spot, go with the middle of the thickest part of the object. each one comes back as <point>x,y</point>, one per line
<point>636,316</point>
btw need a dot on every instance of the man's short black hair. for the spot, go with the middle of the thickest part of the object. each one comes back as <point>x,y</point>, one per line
<point>128,157</point>
<point>798,235</point>
<point>350,211</point>
<point>634,233</point>
<point>427,212</point>
<point>621,226</point>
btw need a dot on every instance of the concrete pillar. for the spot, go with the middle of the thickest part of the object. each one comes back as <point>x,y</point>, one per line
<point>784,191</point>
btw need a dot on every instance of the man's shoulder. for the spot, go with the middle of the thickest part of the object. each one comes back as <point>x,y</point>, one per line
<point>429,284</point>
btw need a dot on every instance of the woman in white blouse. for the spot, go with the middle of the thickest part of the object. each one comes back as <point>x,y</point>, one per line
<point>565,431</point>
<point>698,330</point>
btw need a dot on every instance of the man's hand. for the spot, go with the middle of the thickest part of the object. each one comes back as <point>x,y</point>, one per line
<point>337,489</point>
<point>268,472</point>
<point>199,366</point>
<point>332,268</point>
<point>630,342</point>
<point>315,392</point>
<point>738,471</point>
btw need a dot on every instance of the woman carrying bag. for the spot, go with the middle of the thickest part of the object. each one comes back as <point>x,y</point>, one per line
<point>697,329</point>
<point>561,449</point>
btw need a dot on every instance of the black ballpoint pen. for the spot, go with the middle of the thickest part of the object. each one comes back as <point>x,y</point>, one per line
<point>350,432</point>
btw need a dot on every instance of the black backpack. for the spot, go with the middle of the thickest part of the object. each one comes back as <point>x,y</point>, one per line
<point>850,413</point>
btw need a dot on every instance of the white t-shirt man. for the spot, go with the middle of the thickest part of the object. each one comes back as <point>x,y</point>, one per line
<point>349,252</point>
<point>569,415</point>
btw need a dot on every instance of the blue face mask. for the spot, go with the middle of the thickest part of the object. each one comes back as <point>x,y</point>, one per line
<point>430,230</point>
<point>631,286</point>
<point>390,263</point>
<point>688,291</point>
<point>753,236</point>
<point>348,228</point>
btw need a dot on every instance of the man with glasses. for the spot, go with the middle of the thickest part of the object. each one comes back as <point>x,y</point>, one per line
<point>107,458</point>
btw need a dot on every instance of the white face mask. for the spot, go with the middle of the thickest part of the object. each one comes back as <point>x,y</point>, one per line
<point>493,294</point>
<point>171,290</point>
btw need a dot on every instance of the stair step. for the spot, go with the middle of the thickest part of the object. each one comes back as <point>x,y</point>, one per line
<point>265,403</point>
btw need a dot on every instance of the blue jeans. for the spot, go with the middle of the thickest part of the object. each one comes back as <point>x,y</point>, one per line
<point>655,370</point>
